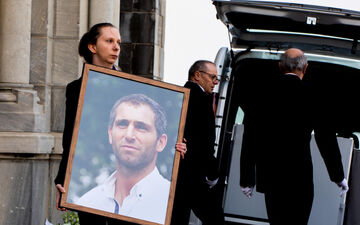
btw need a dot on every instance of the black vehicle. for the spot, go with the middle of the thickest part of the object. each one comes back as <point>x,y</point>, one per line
<point>259,33</point>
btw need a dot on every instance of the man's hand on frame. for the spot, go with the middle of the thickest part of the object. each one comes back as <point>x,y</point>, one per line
<point>181,147</point>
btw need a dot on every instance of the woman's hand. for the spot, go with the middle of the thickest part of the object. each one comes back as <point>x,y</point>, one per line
<point>60,190</point>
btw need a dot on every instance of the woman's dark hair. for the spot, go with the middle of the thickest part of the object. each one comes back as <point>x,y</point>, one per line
<point>90,37</point>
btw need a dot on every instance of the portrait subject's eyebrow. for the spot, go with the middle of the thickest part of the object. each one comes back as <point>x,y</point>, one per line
<point>139,125</point>
<point>122,123</point>
<point>142,126</point>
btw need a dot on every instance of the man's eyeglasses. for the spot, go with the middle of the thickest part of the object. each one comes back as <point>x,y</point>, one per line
<point>212,76</point>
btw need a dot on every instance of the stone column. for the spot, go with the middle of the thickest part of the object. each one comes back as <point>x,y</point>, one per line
<point>15,33</point>
<point>104,11</point>
<point>142,44</point>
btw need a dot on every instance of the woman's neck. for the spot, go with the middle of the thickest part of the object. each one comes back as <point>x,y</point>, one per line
<point>102,64</point>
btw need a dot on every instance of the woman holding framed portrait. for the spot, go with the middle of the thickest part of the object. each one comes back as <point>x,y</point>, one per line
<point>100,46</point>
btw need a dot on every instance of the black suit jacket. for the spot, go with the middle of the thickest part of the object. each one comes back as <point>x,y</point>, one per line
<point>199,161</point>
<point>72,98</point>
<point>276,140</point>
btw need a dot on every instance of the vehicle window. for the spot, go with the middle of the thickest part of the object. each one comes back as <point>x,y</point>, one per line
<point>336,88</point>
<point>239,116</point>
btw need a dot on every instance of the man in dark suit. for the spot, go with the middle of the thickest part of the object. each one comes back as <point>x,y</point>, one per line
<point>282,159</point>
<point>198,173</point>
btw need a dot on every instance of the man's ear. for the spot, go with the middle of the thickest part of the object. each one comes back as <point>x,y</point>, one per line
<point>92,48</point>
<point>110,135</point>
<point>280,68</point>
<point>304,71</point>
<point>161,143</point>
<point>197,75</point>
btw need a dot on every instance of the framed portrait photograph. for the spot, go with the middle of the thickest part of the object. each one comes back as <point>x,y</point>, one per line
<point>122,162</point>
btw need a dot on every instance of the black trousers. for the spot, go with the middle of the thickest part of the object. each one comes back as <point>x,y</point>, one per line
<point>289,206</point>
<point>206,204</point>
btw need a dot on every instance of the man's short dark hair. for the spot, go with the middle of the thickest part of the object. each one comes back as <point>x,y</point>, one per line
<point>141,99</point>
<point>289,64</point>
<point>199,65</point>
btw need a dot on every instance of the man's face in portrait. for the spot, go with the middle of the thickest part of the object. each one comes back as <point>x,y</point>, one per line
<point>133,136</point>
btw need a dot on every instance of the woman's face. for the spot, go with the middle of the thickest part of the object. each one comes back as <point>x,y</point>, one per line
<point>107,47</point>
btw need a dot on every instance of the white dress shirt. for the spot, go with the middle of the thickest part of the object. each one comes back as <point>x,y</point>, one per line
<point>147,200</point>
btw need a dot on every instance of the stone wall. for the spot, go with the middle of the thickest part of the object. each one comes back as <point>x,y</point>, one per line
<point>141,28</point>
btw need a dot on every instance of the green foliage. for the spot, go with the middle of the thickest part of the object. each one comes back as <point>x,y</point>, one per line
<point>70,218</point>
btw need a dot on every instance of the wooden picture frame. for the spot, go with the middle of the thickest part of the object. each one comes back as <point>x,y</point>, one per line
<point>98,150</point>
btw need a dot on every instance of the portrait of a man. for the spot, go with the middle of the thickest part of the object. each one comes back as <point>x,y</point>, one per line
<point>136,133</point>
<point>126,147</point>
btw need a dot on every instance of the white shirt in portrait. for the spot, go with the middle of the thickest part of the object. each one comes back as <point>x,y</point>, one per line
<point>147,200</point>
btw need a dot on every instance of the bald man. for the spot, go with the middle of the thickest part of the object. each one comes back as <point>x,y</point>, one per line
<point>283,162</point>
